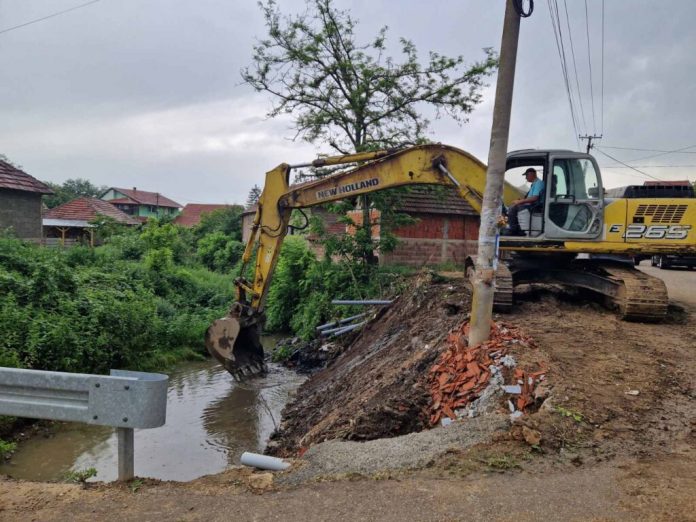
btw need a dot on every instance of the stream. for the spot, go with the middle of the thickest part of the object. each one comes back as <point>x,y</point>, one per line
<point>211,421</point>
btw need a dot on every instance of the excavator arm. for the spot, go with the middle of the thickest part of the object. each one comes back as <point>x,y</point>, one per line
<point>235,340</point>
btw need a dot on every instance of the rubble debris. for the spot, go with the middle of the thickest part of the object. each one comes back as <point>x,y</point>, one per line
<point>462,373</point>
<point>531,437</point>
<point>516,415</point>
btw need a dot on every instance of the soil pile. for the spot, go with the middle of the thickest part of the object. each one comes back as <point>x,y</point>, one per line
<point>378,387</point>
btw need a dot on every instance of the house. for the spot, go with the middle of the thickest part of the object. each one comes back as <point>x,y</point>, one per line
<point>141,204</point>
<point>71,222</point>
<point>193,212</point>
<point>446,229</point>
<point>20,202</point>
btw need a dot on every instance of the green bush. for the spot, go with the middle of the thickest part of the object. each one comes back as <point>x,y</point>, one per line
<point>286,296</point>
<point>218,251</point>
<point>92,312</point>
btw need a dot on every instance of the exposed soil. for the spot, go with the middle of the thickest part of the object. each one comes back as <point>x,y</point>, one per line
<point>630,386</point>
<point>376,387</point>
<point>615,438</point>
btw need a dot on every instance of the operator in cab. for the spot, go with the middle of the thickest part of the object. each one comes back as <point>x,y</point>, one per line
<point>534,196</point>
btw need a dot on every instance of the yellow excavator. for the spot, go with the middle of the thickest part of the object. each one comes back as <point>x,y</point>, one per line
<point>572,237</point>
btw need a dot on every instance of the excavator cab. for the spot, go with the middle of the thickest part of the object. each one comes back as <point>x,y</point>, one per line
<point>572,207</point>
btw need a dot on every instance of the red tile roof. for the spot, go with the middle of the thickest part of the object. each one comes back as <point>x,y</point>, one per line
<point>192,213</point>
<point>144,197</point>
<point>86,209</point>
<point>426,200</point>
<point>13,178</point>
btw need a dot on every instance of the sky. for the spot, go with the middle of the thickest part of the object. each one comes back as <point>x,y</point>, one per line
<point>148,93</point>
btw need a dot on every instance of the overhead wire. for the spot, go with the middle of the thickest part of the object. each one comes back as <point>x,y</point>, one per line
<point>601,125</point>
<point>665,153</point>
<point>519,7</point>
<point>58,13</point>
<point>656,166</point>
<point>678,151</point>
<point>589,63</point>
<point>558,36</point>
<point>627,165</point>
<point>575,68</point>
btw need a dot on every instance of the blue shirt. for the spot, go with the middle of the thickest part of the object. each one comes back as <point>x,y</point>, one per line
<point>537,189</point>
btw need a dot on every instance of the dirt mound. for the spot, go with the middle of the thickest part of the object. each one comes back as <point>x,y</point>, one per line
<point>378,386</point>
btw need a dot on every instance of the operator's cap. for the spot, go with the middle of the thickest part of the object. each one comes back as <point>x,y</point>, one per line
<point>530,169</point>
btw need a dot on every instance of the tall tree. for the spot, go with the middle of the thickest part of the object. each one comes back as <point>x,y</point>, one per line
<point>352,95</point>
<point>253,197</point>
<point>71,189</point>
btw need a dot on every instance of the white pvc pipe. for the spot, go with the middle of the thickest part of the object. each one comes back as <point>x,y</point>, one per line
<point>255,460</point>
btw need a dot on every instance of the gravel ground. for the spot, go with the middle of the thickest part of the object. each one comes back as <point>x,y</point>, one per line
<point>415,450</point>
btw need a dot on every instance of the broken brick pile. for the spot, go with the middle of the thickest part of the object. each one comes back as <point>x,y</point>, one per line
<point>462,372</point>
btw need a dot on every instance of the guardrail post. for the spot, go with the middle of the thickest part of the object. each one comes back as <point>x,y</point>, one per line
<point>126,453</point>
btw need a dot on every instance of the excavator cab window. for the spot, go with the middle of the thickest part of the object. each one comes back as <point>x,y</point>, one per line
<point>574,196</point>
<point>531,220</point>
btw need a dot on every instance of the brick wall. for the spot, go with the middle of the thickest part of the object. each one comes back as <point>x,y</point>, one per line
<point>21,211</point>
<point>435,239</point>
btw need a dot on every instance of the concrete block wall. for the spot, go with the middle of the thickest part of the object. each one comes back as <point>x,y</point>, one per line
<point>22,212</point>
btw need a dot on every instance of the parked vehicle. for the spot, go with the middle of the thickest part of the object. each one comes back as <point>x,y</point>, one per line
<point>668,261</point>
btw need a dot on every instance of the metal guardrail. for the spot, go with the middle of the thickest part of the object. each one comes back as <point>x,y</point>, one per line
<point>124,400</point>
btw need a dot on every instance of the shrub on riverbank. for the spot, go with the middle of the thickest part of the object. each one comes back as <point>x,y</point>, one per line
<point>88,310</point>
<point>303,287</point>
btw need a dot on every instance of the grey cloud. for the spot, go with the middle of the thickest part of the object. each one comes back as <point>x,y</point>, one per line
<point>148,93</point>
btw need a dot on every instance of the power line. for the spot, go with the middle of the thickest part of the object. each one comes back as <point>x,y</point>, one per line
<point>602,106</point>
<point>558,36</point>
<point>8,29</point>
<point>575,68</point>
<point>664,153</point>
<point>629,166</point>
<point>655,167</point>
<point>679,151</point>
<point>589,63</point>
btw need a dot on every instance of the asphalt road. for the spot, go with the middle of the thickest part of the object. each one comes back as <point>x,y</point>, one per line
<point>681,283</point>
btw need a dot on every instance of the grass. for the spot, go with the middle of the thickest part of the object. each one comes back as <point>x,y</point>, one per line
<point>80,476</point>
<point>6,448</point>
<point>575,415</point>
<point>501,463</point>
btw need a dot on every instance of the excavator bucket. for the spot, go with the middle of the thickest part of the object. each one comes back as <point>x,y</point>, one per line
<point>235,341</point>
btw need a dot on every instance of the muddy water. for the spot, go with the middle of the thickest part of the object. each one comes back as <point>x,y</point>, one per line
<point>211,420</point>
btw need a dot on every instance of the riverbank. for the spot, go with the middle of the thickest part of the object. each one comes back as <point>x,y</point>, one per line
<point>634,489</point>
<point>615,439</point>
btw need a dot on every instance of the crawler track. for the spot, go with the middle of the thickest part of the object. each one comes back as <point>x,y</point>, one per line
<point>502,297</point>
<point>640,297</point>
<point>637,296</point>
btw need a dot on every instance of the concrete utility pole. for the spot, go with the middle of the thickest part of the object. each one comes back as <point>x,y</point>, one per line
<point>484,276</point>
